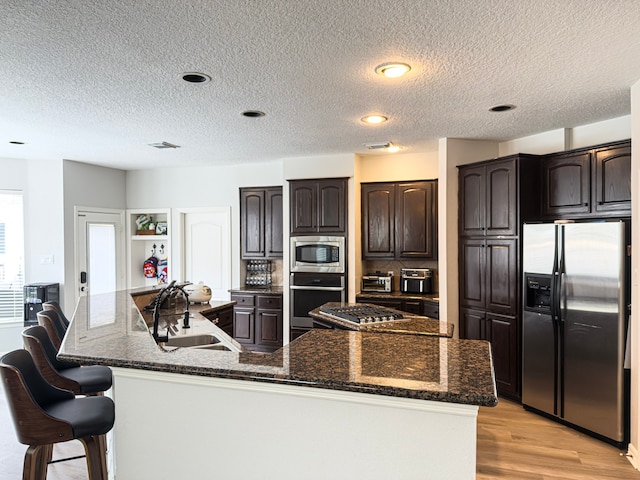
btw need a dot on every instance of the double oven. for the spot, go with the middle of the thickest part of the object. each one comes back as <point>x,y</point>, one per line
<point>317,266</point>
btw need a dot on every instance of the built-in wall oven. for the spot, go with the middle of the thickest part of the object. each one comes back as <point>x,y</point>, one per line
<point>310,290</point>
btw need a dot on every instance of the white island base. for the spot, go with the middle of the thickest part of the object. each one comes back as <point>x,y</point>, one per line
<point>173,426</point>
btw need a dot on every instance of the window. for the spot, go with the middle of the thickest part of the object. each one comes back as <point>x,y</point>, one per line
<point>11,257</point>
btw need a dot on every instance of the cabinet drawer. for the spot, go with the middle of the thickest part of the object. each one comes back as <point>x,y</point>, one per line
<point>243,300</point>
<point>431,309</point>
<point>270,301</point>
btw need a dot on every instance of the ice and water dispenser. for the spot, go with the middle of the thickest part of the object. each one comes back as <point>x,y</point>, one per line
<point>537,293</point>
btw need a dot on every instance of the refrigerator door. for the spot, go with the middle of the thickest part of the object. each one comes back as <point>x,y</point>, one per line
<point>539,333</point>
<point>592,312</point>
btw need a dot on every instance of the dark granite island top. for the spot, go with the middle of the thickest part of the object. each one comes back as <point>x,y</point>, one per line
<point>410,324</point>
<point>109,329</point>
<point>249,415</point>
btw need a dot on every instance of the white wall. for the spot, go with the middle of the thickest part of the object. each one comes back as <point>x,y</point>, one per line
<point>85,186</point>
<point>41,184</point>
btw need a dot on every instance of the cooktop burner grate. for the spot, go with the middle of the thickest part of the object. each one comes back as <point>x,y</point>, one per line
<point>365,313</point>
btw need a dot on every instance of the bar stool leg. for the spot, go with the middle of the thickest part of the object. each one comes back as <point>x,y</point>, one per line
<point>35,462</point>
<point>96,459</point>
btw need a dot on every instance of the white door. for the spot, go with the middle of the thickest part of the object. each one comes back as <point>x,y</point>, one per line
<point>207,249</point>
<point>100,262</point>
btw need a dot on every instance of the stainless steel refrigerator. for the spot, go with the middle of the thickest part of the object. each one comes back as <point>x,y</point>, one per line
<point>574,324</point>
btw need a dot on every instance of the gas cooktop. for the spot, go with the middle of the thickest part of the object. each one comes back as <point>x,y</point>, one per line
<point>362,313</point>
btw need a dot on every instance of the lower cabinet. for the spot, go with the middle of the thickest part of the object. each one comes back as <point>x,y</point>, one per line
<point>409,305</point>
<point>257,321</point>
<point>223,320</point>
<point>502,332</point>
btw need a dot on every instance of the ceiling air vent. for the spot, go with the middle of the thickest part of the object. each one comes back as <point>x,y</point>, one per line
<point>164,145</point>
<point>377,146</point>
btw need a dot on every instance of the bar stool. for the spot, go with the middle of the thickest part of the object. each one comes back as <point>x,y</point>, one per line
<point>44,415</point>
<point>81,380</point>
<point>53,305</point>
<point>50,320</point>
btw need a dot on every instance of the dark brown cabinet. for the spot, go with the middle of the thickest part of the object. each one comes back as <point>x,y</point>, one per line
<point>489,274</point>
<point>502,332</point>
<point>495,197</point>
<point>399,220</point>
<point>488,199</point>
<point>257,321</point>
<point>318,206</point>
<point>261,229</point>
<point>410,305</point>
<point>566,184</point>
<point>588,182</point>
<point>224,320</point>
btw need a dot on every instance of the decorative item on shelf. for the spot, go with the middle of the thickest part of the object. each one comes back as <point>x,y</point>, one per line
<point>163,266</point>
<point>258,273</point>
<point>161,228</point>
<point>150,266</point>
<point>145,225</point>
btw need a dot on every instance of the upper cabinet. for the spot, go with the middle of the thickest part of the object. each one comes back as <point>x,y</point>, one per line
<point>594,182</point>
<point>318,206</point>
<point>489,199</point>
<point>261,222</point>
<point>399,220</point>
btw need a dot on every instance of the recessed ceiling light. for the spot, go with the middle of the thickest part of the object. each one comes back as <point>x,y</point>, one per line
<point>392,69</point>
<point>195,77</point>
<point>15,142</point>
<point>374,119</point>
<point>502,108</point>
<point>253,113</point>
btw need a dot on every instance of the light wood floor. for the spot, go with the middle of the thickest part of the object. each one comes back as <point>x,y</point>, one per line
<point>516,444</point>
<point>512,444</point>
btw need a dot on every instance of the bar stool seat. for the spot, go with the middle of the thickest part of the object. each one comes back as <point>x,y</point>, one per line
<point>81,380</point>
<point>50,320</point>
<point>53,305</point>
<point>44,415</point>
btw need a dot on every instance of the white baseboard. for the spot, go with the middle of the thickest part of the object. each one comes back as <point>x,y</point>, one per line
<point>633,456</point>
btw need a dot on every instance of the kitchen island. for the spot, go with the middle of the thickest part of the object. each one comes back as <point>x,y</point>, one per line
<point>331,404</point>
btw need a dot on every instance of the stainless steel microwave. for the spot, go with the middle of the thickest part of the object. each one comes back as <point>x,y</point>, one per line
<point>317,254</point>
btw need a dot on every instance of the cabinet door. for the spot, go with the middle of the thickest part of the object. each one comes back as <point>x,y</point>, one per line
<point>472,324</point>
<point>273,223</point>
<point>566,184</point>
<point>501,216</point>
<point>415,220</point>
<point>613,180</point>
<point>472,201</point>
<point>431,309</point>
<point>412,306</point>
<point>252,223</point>
<point>331,208</point>
<point>472,272</point>
<point>378,220</point>
<point>501,275</point>
<point>303,208</point>
<point>269,328</point>
<point>502,332</point>
<point>225,321</point>
<point>244,325</point>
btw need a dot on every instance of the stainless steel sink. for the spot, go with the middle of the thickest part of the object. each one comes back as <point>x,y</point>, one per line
<point>202,340</point>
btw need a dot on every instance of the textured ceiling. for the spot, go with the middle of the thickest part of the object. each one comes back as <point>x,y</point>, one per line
<point>97,81</point>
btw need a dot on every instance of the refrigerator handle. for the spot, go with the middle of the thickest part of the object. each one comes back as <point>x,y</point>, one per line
<point>561,272</point>
<point>554,279</point>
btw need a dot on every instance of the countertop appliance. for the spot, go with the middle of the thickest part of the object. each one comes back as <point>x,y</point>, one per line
<point>377,282</point>
<point>416,280</point>
<point>317,254</point>
<point>575,324</point>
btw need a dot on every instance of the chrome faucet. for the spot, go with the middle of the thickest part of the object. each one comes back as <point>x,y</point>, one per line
<point>169,291</point>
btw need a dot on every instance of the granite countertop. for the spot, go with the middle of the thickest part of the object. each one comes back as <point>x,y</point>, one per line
<point>429,297</point>
<point>109,329</point>
<point>411,324</point>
